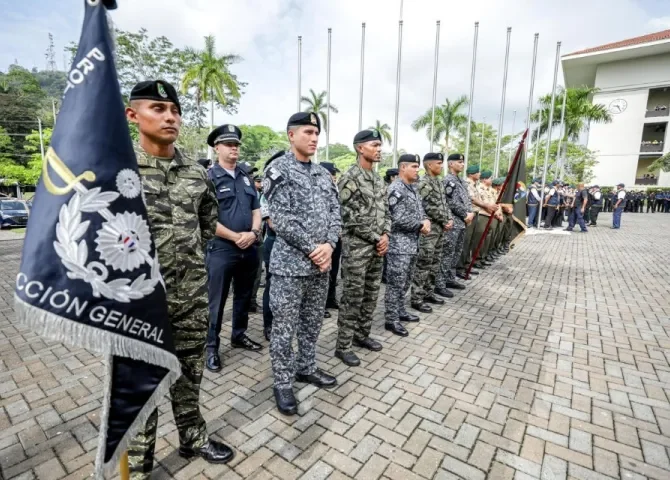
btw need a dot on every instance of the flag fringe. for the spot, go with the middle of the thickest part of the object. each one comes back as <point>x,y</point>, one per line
<point>61,329</point>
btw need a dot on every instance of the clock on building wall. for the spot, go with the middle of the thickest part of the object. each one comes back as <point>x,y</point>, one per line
<point>617,106</point>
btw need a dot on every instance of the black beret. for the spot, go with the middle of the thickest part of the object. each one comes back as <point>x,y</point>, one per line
<point>433,156</point>
<point>274,157</point>
<point>409,158</point>
<point>205,162</point>
<point>456,157</point>
<point>391,172</point>
<point>247,168</point>
<point>155,90</point>
<point>224,134</point>
<point>332,169</point>
<point>369,135</point>
<point>304,118</point>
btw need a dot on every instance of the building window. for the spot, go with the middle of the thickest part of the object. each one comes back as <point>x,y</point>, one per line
<point>653,138</point>
<point>658,102</point>
<point>643,176</point>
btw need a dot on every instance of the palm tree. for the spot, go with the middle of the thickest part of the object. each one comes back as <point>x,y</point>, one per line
<point>316,102</point>
<point>580,112</point>
<point>447,120</point>
<point>211,77</point>
<point>384,131</point>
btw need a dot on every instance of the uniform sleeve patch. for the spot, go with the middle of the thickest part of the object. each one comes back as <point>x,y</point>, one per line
<point>450,189</point>
<point>393,200</point>
<point>345,194</point>
<point>271,180</point>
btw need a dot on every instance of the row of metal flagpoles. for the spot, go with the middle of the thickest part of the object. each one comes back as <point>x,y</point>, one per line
<point>558,165</point>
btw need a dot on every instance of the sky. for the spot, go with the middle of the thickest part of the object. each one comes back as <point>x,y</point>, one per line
<point>264,33</point>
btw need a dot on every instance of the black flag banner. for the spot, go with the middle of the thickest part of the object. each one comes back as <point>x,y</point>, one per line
<point>89,271</point>
<point>515,191</point>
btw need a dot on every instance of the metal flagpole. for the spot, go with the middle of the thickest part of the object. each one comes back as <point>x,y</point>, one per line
<point>360,100</point>
<point>481,148</point>
<point>511,142</point>
<point>299,72</point>
<point>562,132</point>
<point>39,126</point>
<point>537,144</point>
<point>397,96</point>
<point>437,53</point>
<point>532,80</point>
<point>551,120</point>
<point>502,105</point>
<point>53,109</point>
<point>472,96</point>
<point>330,34</point>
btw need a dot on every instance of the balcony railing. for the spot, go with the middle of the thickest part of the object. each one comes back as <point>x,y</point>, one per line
<point>646,181</point>
<point>657,113</point>
<point>651,147</point>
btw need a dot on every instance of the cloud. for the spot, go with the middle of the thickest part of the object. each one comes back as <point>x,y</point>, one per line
<point>265,32</point>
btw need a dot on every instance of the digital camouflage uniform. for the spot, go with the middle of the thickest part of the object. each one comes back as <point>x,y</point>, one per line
<point>460,205</point>
<point>470,230</point>
<point>305,212</point>
<point>182,212</point>
<point>431,190</point>
<point>365,218</point>
<point>407,216</point>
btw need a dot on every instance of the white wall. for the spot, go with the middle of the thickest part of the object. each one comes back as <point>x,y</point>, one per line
<point>637,72</point>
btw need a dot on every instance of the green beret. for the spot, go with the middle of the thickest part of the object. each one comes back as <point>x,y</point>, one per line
<point>486,174</point>
<point>472,169</point>
<point>498,181</point>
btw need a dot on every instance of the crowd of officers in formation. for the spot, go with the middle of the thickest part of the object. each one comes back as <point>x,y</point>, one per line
<point>211,225</point>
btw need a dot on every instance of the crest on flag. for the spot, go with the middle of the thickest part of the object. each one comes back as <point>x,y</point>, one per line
<point>90,275</point>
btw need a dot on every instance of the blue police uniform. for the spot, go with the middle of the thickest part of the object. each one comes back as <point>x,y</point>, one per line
<point>226,262</point>
<point>616,215</point>
<point>552,205</point>
<point>576,214</point>
<point>533,204</point>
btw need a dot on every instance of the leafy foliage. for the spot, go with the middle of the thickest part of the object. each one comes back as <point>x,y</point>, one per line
<point>260,142</point>
<point>316,102</point>
<point>448,118</point>
<point>384,131</point>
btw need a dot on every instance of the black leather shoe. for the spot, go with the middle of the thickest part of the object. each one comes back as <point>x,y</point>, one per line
<point>348,358</point>
<point>479,266</point>
<point>333,303</point>
<point>246,343</point>
<point>211,452</point>
<point>433,299</point>
<point>254,308</point>
<point>396,328</point>
<point>422,307</point>
<point>213,363</point>
<point>319,378</point>
<point>267,331</point>
<point>286,403</point>
<point>408,317</point>
<point>456,285</point>
<point>326,314</point>
<point>443,292</point>
<point>369,343</point>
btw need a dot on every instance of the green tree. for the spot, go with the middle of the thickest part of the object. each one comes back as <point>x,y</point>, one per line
<point>316,102</point>
<point>488,153</point>
<point>210,77</point>
<point>448,118</point>
<point>192,142</point>
<point>335,150</point>
<point>344,162</point>
<point>384,131</point>
<point>28,173</point>
<point>578,166</point>
<point>662,163</point>
<point>580,112</point>
<point>259,143</point>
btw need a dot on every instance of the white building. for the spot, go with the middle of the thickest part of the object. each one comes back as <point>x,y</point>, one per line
<point>634,80</point>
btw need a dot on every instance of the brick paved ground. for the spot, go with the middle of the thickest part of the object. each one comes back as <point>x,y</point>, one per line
<point>553,365</point>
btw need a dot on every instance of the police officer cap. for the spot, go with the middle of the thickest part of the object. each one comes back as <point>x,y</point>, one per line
<point>258,178</point>
<point>155,90</point>
<point>304,118</point>
<point>332,169</point>
<point>409,158</point>
<point>274,157</point>
<point>456,157</point>
<point>247,168</point>
<point>433,156</point>
<point>486,174</point>
<point>369,135</point>
<point>472,169</point>
<point>554,183</point>
<point>224,134</point>
<point>537,180</point>
<point>498,181</point>
<point>621,185</point>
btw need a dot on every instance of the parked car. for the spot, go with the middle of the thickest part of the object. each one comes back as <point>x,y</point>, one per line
<point>13,213</point>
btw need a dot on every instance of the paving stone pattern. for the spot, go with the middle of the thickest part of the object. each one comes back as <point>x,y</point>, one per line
<point>553,364</point>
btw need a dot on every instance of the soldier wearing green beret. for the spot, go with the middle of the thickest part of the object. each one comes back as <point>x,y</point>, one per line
<point>488,197</point>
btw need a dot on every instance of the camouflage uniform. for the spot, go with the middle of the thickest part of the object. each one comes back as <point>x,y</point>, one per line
<point>407,216</point>
<point>435,205</point>
<point>365,218</point>
<point>182,212</point>
<point>303,205</point>
<point>460,205</point>
<point>470,230</point>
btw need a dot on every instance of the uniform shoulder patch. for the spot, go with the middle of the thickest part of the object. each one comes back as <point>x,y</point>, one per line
<point>273,177</point>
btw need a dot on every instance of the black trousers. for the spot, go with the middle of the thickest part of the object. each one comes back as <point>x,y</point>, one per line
<point>551,213</point>
<point>595,210</point>
<point>334,270</point>
<point>267,251</point>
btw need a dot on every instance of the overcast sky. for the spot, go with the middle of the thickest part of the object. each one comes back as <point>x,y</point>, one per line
<point>264,33</point>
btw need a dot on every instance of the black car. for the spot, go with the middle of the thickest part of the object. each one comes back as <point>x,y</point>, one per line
<point>13,213</point>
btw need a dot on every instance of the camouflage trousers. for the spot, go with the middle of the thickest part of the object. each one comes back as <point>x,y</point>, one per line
<point>298,305</point>
<point>361,277</point>
<point>451,254</point>
<point>190,333</point>
<point>427,264</point>
<point>399,271</point>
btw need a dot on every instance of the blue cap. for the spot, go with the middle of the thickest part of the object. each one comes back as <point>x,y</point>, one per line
<point>621,185</point>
